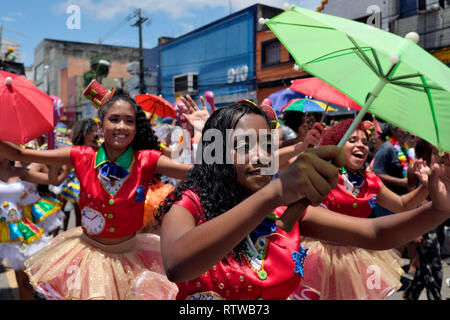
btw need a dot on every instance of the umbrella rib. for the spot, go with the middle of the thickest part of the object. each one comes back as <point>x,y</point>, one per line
<point>406,76</point>
<point>300,25</point>
<point>409,87</point>
<point>430,101</point>
<point>375,55</point>
<point>363,56</point>
<point>408,84</point>
<point>328,54</point>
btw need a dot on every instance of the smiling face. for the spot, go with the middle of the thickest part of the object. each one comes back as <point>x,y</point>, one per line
<point>119,126</point>
<point>250,158</point>
<point>356,150</point>
<point>91,137</point>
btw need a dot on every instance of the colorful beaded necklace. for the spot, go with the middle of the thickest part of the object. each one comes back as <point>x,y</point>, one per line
<point>402,157</point>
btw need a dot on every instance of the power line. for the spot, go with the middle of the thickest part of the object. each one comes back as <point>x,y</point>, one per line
<point>116,28</point>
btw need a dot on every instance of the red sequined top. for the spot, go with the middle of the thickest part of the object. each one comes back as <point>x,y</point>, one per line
<point>266,272</point>
<point>342,200</point>
<point>112,211</point>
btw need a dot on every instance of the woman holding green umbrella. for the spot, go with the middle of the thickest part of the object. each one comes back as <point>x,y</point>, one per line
<point>342,272</point>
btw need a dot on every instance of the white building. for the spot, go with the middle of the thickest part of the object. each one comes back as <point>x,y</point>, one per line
<point>378,13</point>
<point>6,43</point>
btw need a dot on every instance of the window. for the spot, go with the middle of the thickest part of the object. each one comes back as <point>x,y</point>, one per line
<point>270,53</point>
<point>186,84</point>
<point>39,72</point>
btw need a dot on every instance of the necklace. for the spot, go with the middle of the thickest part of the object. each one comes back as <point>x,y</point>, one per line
<point>402,156</point>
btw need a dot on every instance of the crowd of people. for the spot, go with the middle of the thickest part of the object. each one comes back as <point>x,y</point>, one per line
<point>155,218</point>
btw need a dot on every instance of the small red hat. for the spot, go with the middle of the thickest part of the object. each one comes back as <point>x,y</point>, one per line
<point>98,94</point>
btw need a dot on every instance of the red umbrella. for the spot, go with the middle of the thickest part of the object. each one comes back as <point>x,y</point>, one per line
<point>318,89</point>
<point>26,111</point>
<point>156,105</point>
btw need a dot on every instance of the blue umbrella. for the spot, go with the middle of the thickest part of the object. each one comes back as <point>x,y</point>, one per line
<point>281,98</point>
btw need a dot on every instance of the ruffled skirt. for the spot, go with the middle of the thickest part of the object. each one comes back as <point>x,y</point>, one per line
<point>74,266</point>
<point>46,213</point>
<point>348,273</point>
<point>16,253</point>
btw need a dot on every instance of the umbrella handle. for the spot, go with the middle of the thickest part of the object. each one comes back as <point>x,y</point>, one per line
<point>325,113</point>
<point>51,140</point>
<point>292,215</point>
<point>373,95</point>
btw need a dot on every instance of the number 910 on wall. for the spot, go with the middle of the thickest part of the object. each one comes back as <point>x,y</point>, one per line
<point>238,74</point>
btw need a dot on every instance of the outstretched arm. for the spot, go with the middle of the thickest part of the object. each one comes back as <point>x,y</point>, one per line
<point>15,153</point>
<point>384,232</point>
<point>188,250</point>
<point>395,203</point>
<point>168,167</point>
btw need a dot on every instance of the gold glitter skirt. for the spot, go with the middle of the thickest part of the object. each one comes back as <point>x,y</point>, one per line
<point>76,267</point>
<point>348,273</point>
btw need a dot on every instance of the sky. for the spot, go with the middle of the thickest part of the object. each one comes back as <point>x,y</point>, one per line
<point>110,21</point>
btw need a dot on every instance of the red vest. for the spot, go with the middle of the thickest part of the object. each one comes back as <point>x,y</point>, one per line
<point>241,281</point>
<point>342,201</point>
<point>118,215</point>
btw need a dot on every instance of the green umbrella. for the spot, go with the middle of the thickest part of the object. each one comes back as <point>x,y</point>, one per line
<point>393,77</point>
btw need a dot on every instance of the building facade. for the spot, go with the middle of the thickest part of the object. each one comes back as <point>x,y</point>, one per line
<point>7,43</point>
<point>220,57</point>
<point>429,18</point>
<point>274,65</point>
<point>59,67</point>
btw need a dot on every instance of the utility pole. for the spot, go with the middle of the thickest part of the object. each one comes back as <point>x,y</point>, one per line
<point>138,24</point>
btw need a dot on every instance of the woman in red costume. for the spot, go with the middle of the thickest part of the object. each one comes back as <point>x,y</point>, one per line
<point>100,259</point>
<point>219,235</point>
<point>342,272</point>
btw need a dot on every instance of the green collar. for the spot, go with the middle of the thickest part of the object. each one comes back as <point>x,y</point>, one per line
<point>124,160</point>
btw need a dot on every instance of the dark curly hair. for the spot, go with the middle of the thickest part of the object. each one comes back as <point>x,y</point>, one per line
<point>215,184</point>
<point>81,129</point>
<point>333,135</point>
<point>145,137</point>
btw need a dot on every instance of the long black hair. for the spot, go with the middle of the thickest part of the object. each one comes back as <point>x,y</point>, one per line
<point>215,184</point>
<point>81,129</point>
<point>145,137</point>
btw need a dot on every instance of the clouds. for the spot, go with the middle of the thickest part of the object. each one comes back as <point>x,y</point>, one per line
<point>7,19</point>
<point>176,9</point>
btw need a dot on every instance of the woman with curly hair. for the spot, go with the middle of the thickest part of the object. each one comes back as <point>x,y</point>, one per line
<point>345,272</point>
<point>100,259</point>
<point>219,233</point>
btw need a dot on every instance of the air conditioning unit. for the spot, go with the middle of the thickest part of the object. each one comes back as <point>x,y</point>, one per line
<point>186,83</point>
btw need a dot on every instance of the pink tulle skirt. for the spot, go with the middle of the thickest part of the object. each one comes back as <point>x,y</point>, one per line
<point>347,273</point>
<point>74,266</point>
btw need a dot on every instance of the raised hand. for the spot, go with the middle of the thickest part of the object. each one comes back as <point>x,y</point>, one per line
<point>312,175</point>
<point>195,116</point>
<point>421,171</point>
<point>313,136</point>
<point>439,184</point>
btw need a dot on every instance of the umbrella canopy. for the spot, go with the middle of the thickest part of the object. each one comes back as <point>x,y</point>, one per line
<point>26,111</point>
<point>156,105</point>
<point>318,89</point>
<point>282,97</point>
<point>392,77</point>
<point>306,106</point>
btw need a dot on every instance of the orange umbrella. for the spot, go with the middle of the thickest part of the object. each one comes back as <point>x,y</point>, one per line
<point>156,105</point>
<point>26,112</point>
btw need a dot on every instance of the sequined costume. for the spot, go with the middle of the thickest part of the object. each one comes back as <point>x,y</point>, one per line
<point>75,265</point>
<point>267,270</point>
<point>340,272</point>
<point>19,237</point>
<point>42,210</point>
